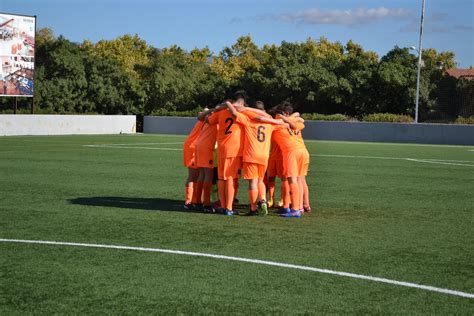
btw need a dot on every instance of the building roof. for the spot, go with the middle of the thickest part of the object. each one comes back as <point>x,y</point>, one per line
<point>461,73</point>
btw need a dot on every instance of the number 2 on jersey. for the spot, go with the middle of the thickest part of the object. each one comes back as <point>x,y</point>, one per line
<point>229,121</point>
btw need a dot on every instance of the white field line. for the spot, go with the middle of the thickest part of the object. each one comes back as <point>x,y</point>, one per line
<point>131,147</point>
<point>439,162</point>
<point>247,260</point>
<point>422,160</point>
<point>427,160</point>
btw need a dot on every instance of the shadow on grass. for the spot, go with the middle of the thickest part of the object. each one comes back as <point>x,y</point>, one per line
<point>153,204</point>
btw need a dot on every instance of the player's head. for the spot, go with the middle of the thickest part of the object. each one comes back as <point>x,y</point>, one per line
<point>239,98</point>
<point>258,105</point>
<point>286,108</point>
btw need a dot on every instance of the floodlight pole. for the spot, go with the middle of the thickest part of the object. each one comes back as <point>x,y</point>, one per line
<point>417,100</point>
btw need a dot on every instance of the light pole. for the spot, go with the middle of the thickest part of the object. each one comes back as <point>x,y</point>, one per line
<point>419,50</point>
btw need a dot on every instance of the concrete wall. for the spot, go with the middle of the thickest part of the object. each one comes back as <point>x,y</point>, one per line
<point>66,124</point>
<point>344,131</point>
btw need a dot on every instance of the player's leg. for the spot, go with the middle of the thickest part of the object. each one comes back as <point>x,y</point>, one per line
<point>250,175</point>
<point>221,185</point>
<point>262,190</point>
<point>232,166</point>
<point>292,172</point>
<point>207,189</point>
<point>197,192</point>
<point>193,174</point>
<point>306,205</point>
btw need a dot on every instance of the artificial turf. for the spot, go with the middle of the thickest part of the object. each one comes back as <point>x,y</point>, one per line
<point>394,218</point>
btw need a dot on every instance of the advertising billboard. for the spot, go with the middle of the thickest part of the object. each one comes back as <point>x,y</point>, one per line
<point>17,55</point>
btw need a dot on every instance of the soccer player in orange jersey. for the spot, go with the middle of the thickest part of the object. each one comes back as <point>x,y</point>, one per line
<point>204,160</point>
<point>229,152</point>
<point>275,169</point>
<point>189,162</point>
<point>258,129</point>
<point>294,158</point>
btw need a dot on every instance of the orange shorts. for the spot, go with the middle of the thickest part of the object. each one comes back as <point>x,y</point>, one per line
<point>295,162</point>
<point>204,157</point>
<point>254,170</point>
<point>228,168</point>
<point>188,157</point>
<point>275,168</point>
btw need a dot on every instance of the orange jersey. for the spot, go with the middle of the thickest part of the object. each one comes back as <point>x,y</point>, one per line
<point>193,136</point>
<point>275,151</point>
<point>207,137</point>
<point>229,135</point>
<point>257,136</point>
<point>289,139</point>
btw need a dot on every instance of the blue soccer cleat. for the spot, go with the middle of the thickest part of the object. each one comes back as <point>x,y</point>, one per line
<point>284,210</point>
<point>228,213</point>
<point>292,213</point>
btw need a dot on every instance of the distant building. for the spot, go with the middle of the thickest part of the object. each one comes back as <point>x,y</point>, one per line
<point>458,73</point>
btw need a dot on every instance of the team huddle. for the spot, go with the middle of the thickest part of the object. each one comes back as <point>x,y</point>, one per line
<point>257,144</point>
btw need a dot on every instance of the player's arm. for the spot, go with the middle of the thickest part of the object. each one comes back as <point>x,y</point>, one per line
<point>232,108</point>
<point>264,119</point>
<point>256,111</point>
<point>292,123</point>
<point>201,116</point>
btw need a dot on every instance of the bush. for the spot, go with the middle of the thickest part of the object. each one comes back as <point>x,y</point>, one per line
<point>464,120</point>
<point>325,117</point>
<point>387,117</point>
<point>165,112</point>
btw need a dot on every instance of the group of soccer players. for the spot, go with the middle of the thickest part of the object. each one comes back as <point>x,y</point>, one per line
<point>257,144</point>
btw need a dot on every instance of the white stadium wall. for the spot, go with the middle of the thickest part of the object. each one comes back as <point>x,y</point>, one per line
<point>11,125</point>
<point>448,134</point>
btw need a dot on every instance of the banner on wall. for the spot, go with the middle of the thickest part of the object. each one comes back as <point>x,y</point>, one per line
<point>17,55</point>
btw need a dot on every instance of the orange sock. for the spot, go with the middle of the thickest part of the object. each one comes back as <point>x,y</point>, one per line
<point>197,193</point>
<point>253,196</point>
<point>294,195</point>
<point>271,190</point>
<point>285,194</point>
<point>206,192</point>
<point>221,189</point>
<point>262,191</point>
<point>306,195</point>
<point>188,194</point>
<point>301,190</point>
<point>236,187</point>
<point>229,193</point>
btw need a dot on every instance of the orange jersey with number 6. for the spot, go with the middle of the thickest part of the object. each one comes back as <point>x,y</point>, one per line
<point>257,138</point>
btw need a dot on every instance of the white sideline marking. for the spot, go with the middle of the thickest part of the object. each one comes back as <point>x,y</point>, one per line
<point>422,160</point>
<point>247,260</point>
<point>426,160</point>
<point>439,162</point>
<point>131,147</point>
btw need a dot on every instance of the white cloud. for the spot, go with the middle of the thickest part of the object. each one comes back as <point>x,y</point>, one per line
<point>345,17</point>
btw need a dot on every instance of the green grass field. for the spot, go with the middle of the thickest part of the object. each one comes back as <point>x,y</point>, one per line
<point>376,214</point>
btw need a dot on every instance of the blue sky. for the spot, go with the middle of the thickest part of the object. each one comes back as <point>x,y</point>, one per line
<point>377,25</point>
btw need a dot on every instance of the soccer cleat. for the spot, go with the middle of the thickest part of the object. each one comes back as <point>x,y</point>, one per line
<point>251,213</point>
<point>228,212</point>
<point>292,213</point>
<point>188,206</point>
<point>280,203</point>
<point>307,209</point>
<point>270,203</point>
<point>262,208</point>
<point>284,210</point>
<point>196,207</point>
<point>208,209</point>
